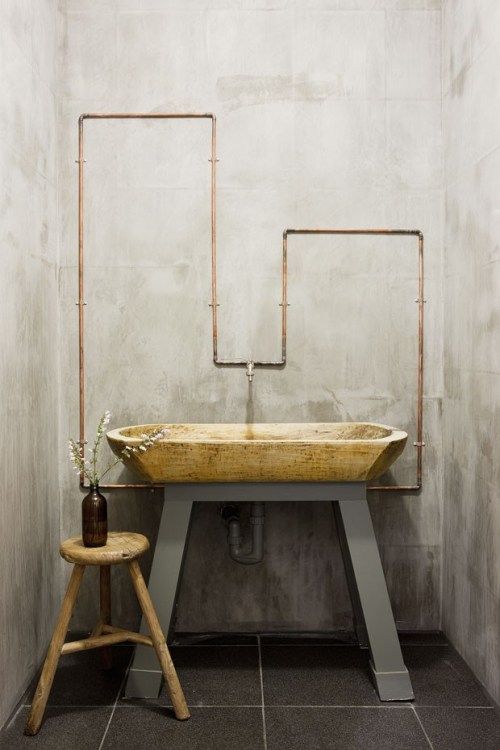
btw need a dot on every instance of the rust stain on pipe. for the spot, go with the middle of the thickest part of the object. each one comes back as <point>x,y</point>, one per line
<point>419,444</point>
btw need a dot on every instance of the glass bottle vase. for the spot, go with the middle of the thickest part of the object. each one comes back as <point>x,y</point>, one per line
<point>94,518</point>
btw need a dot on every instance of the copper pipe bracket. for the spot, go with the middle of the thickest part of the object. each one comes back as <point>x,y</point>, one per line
<point>214,304</point>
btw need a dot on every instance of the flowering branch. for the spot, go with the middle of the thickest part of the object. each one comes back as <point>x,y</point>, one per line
<point>103,423</point>
<point>76,456</point>
<point>90,467</point>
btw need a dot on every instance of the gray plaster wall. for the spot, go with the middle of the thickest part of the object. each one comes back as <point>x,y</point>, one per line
<point>329,114</point>
<point>29,371</point>
<point>471,413</point>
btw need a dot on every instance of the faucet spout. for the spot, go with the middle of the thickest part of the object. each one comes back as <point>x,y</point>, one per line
<point>250,370</point>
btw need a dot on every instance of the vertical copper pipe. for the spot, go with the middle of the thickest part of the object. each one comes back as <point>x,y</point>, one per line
<point>81,302</point>
<point>214,302</point>
<point>420,381</point>
<point>284,296</point>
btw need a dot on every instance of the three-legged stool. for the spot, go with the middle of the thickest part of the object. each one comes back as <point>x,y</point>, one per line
<point>121,547</point>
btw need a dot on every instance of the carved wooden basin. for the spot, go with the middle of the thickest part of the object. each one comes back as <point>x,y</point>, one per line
<point>319,452</point>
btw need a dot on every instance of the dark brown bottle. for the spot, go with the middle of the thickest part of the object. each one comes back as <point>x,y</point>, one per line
<point>94,518</point>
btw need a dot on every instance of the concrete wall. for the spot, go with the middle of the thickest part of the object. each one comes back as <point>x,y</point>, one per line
<point>29,495</point>
<point>329,113</point>
<point>471,583</point>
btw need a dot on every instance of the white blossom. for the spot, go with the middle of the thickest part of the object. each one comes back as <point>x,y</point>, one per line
<point>89,468</point>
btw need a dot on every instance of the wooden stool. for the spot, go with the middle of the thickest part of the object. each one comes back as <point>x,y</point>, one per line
<point>121,547</point>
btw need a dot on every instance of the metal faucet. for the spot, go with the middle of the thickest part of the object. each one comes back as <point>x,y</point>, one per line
<point>250,370</point>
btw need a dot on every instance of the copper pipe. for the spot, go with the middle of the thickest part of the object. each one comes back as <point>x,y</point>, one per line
<point>419,444</point>
<point>81,303</point>
<point>214,304</point>
<point>284,296</point>
<point>420,369</point>
<point>147,116</point>
<point>213,233</point>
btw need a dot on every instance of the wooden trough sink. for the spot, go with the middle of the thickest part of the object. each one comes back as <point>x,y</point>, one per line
<point>319,452</point>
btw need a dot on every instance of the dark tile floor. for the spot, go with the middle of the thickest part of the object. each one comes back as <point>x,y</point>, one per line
<point>268,693</point>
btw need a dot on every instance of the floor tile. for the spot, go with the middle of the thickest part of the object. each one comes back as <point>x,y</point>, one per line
<point>80,679</point>
<point>317,676</point>
<point>461,728</point>
<point>63,729</point>
<point>344,729</point>
<point>440,677</point>
<point>148,726</point>
<point>218,675</point>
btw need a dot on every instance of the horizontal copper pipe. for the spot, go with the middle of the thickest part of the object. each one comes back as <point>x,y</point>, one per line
<point>147,116</point>
<point>381,231</point>
<point>214,304</point>
<point>126,486</point>
<point>152,487</point>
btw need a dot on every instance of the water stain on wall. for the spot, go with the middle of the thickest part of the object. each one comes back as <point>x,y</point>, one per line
<point>243,90</point>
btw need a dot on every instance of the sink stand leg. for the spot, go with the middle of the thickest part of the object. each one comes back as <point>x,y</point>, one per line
<point>371,604</point>
<point>144,679</point>
<point>359,620</point>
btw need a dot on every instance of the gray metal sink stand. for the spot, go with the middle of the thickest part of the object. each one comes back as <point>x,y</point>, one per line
<point>374,621</point>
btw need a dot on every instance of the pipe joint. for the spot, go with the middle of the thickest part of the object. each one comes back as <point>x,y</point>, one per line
<point>250,370</point>
<point>231,516</point>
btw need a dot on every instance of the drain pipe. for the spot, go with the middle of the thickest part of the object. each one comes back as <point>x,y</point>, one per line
<point>231,516</point>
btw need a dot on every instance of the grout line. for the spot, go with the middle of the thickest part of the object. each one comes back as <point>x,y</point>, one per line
<point>431,746</point>
<point>14,716</point>
<point>334,646</point>
<point>213,645</point>
<point>390,706</point>
<point>270,642</point>
<point>75,705</point>
<point>122,685</point>
<point>393,707</point>
<point>262,694</point>
<point>453,705</point>
<point>146,702</point>
<point>346,645</point>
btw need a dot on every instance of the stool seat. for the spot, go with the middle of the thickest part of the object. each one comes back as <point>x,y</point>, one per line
<point>121,546</point>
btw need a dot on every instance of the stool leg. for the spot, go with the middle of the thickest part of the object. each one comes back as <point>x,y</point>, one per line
<point>174,687</point>
<point>50,665</point>
<point>105,607</point>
